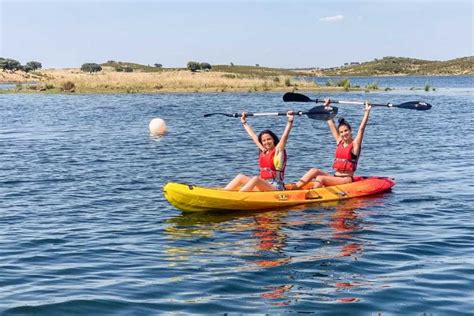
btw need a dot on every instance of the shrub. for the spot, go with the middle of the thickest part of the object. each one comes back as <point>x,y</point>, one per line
<point>193,66</point>
<point>158,65</point>
<point>276,79</point>
<point>10,64</point>
<point>372,86</point>
<point>91,67</point>
<point>205,66</point>
<point>68,86</point>
<point>347,85</point>
<point>287,82</point>
<point>33,65</point>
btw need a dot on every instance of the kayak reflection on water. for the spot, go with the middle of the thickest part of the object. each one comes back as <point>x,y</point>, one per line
<point>314,239</point>
<point>262,238</point>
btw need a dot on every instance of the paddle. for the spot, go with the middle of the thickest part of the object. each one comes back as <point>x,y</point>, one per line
<point>321,113</point>
<point>412,105</point>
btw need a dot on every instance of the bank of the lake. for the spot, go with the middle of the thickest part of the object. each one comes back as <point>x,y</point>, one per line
<point>108,81</point>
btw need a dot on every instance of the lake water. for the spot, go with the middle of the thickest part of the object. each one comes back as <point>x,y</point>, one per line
<point>85,229</point>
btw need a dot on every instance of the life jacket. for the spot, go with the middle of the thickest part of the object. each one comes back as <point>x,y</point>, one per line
<point>268,170</point>
<point>345,160</point>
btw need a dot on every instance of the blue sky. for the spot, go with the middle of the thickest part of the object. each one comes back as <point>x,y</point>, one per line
<point>270,33</point>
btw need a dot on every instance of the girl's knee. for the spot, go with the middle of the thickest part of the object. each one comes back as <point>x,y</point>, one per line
<point>241,176</point>
<point>254,179</point>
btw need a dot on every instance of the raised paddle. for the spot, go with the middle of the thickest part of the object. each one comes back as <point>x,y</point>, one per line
<point>321,113</point>
<point>412,105</point>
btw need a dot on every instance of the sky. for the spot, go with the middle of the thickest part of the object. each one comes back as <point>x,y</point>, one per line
<point>285,34</point>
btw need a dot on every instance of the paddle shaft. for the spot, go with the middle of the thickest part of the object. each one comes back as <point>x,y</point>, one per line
<point>354,103</point>
<point>318,112</point>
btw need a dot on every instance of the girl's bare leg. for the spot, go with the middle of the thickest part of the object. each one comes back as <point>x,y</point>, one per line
<point>327,180</point>
<point>308,176</point>
<point>238,181</point>
<point>257,184</point>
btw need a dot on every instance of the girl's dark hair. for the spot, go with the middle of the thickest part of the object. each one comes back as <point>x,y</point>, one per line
<point>272,135</point>
<point>343,122</point>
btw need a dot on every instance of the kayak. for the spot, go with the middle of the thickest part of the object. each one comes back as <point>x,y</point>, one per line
<point>193,198</point>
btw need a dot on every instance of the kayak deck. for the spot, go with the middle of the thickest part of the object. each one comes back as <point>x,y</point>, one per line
<point>192,198</point>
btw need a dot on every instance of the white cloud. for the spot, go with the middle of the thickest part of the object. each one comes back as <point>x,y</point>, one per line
<point>336,18</point>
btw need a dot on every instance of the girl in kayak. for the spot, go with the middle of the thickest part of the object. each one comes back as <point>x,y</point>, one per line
<point>271,159</point>
<point>346,157</point>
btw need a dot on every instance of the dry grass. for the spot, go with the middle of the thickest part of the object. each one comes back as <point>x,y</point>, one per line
<point>177,80</point>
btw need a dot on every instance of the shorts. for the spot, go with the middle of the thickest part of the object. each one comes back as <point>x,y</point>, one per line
<point>279,185</point>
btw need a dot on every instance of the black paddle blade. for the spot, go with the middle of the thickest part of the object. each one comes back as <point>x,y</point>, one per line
<point>296,97</point>
<point>414,105</point>
<point>322,113</point>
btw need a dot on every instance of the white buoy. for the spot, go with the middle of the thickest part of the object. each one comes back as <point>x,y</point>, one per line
<point>157,126</point>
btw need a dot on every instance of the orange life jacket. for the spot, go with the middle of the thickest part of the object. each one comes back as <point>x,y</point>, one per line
<point>345,160</point>
<point>267,167</point>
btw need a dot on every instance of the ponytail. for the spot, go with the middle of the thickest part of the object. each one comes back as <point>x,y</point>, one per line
<point>343,122</point>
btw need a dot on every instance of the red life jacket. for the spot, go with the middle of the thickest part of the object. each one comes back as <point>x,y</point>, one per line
<point>267,167</point>
<point>345,160</point>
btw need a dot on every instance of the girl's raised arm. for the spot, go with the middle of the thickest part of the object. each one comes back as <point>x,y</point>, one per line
<point>286,132</point>
<point>331,124</point>
<point>250,131</point>
<point>360,132</point>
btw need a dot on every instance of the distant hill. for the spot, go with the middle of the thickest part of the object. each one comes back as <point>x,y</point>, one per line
<point>404,66</point>
<point>239,70</point>
<point>378,67</point>
<point>133,66</point>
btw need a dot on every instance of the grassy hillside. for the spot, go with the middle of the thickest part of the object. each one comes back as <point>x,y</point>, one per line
<point>241,71</point>
<point>405,66</point>
<point>133,66</point>
<point>384,66</point>
<point>258,71</point>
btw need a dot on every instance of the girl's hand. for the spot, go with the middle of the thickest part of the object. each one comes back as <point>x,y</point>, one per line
<point>291,116</point>
<point>243,118</point>
<point>327,101</point>
<point>367,106</point>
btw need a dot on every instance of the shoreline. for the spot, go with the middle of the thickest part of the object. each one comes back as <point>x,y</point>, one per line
<point>108,81</point>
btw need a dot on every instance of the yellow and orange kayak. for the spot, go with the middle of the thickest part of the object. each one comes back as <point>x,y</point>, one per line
<point>192,198</point>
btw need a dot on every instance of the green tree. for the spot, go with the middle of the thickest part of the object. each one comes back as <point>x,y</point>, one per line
<point>10,64</point>
<point>91,67</point>
<point>27,68</point>
<point>158,65</point>
<point>205,66</point>
<point>34,65</point>
<point>193,66</point>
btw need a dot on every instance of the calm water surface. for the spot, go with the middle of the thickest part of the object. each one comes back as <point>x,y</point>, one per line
<point>85,229</point>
